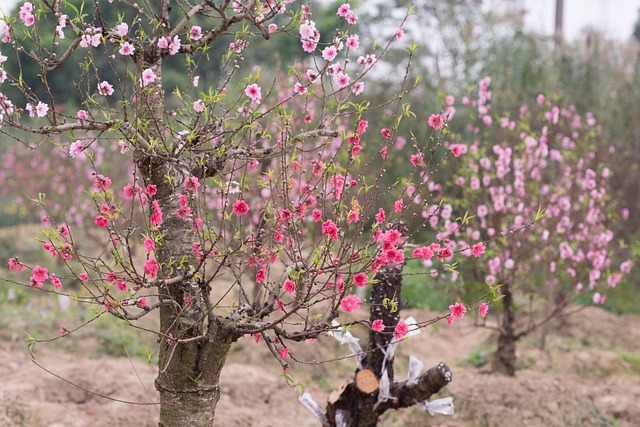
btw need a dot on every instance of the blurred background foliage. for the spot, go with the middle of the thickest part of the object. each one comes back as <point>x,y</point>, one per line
<point>460,41</point>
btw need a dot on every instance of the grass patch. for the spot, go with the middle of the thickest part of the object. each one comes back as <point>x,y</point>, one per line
<point>633,359</point>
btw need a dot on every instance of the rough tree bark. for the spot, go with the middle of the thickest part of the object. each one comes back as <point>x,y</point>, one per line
<point>504,360</point>
<point>188,371</point>
<point>357,400</point>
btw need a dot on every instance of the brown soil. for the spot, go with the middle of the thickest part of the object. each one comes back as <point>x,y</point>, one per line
<point>589,375</point>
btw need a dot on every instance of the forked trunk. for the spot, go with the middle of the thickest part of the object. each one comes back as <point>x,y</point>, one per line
<point>358,403</point>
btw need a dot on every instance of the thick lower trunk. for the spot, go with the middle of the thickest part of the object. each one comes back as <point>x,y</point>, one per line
<point>188,408</point>
<point>504,360</point>
<point>188,381</point>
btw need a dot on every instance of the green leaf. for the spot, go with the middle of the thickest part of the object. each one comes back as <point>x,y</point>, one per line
<point>540,214</point>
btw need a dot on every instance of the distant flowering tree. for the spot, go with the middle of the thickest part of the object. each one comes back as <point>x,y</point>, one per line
<point>248,181</point>
<point>545,166</point>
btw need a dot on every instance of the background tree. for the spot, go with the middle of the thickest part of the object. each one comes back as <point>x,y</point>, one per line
<point>546,168</point>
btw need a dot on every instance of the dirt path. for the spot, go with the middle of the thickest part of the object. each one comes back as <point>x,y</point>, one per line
<point>588,376</point>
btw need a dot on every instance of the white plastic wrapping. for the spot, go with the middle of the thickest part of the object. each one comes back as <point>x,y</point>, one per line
<point>383,389</point>
<point>307,400</point>
<point>413,326</point>
<point>442,406</point>
<point>347,338</point>
<point>415,367</point>
<point>341,418</point>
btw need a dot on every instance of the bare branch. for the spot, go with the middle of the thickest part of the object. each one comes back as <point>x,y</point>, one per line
<point>215,33</point>
<point>56,63</point>
<point>183,23</point>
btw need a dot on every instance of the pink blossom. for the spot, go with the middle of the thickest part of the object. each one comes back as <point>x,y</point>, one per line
<point>400,33</point>
<point>350,303</point>
<point>362,126</point>
<point>344,10</point>
<point>458,310</point>
<point>83,277</point>
<point>130,190</point>
<point>122,29</point>
<point>191,183</point>
<point>76,148</point>
<point>39,274</point>
<point>456,149</point>
<point>151,190</point>
<point>195,33</point>
<point>284,353</point>
<point>377,325</point>
<point>16,265</point>
<point>386,133</point>
<point>198,106</point>
<point>102,182</point>
<point>126,49</point>
<point>299,88</point>
<point>174,46</point>
<point>151,267</point>
<point>397,206</point>
<point>331,229</point>
<point>105,89</point>
<point>484,308</point>
<point>148,76</point>
<point>254,92</point>
<point>380,217</point>
<point>41,109</point>
<point>329,53</point>
<point>358,88</point>
<point>149,244</point>
<point>272,28</point>
<point>401,330</point>
<point>289,286</point>
<point>261,275</point>
<point>82,115</point>
<point>360,279</point>
<point>101,221</point>
<point>353,41</point>
<point>342,80</point>
<point>436,121</point>
<point>156,215</point>
<point>56,282</point>
<point>477,250</point>
<point>240,207</point>
<point>317,215</point>
<point>142,302</point>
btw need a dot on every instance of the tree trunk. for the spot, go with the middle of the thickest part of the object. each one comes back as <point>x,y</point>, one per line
<point>188,381</point>
<point>194,343</point>
<point>504,360</point>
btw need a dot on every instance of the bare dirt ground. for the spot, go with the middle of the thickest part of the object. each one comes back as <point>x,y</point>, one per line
<point>589,375</point>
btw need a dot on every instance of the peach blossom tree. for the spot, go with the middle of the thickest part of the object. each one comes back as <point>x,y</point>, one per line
<point>252,205</point>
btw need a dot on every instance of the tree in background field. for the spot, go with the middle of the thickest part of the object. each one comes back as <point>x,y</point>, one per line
<point>544,166</point>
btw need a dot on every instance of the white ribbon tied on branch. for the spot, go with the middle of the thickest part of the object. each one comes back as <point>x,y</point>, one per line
<point>442,406</point>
